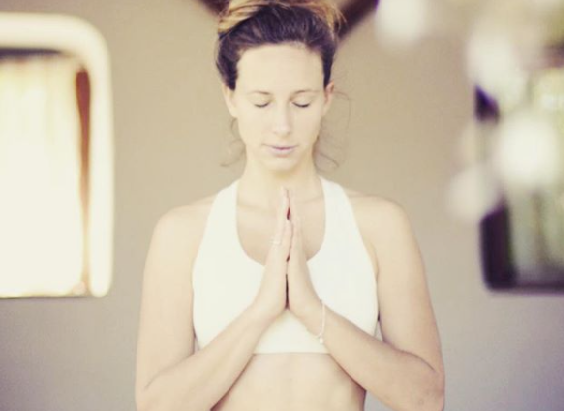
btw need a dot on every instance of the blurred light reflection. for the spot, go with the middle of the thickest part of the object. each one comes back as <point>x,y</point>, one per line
<point>528,152</point>
<point>511,179</point>
<point>402,22</point>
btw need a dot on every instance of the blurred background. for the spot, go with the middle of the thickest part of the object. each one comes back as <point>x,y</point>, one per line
<point>430,92</point>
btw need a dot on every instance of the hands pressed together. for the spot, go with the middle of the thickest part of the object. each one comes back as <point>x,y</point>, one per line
<point>286,282</point>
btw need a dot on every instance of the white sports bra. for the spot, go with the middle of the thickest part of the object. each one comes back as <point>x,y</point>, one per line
<point>226,280</point>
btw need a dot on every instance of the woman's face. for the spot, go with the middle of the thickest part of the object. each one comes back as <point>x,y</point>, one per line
<point>279,101</point>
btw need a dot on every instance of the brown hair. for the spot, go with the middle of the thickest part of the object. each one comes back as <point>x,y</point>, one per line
<point>246,24</point>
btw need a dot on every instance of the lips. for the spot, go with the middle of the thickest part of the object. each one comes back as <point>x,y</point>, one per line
<point>281,151</point>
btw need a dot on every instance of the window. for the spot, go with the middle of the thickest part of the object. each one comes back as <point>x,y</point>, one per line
<point>56,158</point>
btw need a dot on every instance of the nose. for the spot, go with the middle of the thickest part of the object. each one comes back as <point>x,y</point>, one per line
<point>281,124</point>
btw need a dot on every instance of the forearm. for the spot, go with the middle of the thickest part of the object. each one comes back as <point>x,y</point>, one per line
<point>401,380</point>
<point>199,381</point>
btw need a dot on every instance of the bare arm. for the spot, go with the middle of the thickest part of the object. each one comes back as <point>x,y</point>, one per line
<point>405,370</point>
<point>170,376</point>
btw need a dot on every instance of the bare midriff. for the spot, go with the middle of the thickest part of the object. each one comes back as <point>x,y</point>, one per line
<point>293,382</point>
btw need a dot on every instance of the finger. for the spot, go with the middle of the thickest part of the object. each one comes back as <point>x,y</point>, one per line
<point>287,239</point>
<point>278,253</point>
<point>284,204</point>
<point>293,244</point>
<point>282,250</point>
<point>287,242</point>
<point>281,218</point>
<point>296,227</point>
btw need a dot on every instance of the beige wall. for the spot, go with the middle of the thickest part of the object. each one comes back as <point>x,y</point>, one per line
<point>501,352</point>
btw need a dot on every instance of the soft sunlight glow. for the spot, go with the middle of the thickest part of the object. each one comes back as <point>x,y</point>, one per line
<point>41,212</point>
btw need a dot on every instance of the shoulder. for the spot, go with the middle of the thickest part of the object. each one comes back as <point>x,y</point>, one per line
<point>184,225</point>
<point>174,243</point>
<point>190,213</point>
<point>382,221</point>
<point>375,212</point>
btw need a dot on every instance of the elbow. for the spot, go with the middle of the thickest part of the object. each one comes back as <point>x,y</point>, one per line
<point>440,391</point>
<point>434,398</point>
<point>430,398</point>
<point>149,400</point>
<point>144,400</point>
<point>141,401</point>
<point>436,402</point>
<point>140,405</point>
<point>150,397</point>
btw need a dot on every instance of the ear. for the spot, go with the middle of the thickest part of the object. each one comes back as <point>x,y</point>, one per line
<point>328,97</point>
<point>228,96</point>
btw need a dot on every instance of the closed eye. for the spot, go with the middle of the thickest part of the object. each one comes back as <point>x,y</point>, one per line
<point>295,104</point>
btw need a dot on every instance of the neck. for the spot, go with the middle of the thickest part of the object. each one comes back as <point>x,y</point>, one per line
<point>261,188</point>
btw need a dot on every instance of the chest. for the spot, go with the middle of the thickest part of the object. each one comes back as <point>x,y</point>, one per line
<point>256,228</point>
<point>225,282</point>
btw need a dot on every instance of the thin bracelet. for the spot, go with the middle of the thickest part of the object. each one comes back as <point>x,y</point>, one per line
<point>320,336</point>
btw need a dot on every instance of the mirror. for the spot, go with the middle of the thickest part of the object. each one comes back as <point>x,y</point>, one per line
<point>522,138</point>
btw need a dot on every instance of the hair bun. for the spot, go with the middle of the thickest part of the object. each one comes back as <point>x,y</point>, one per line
<point>238,11</point>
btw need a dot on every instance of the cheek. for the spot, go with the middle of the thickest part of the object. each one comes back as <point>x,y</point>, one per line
<point>309,123</point>
<point>252,117</point>
<point>251,126</point>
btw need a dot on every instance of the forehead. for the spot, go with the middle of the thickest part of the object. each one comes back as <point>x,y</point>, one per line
<point>278,67</point>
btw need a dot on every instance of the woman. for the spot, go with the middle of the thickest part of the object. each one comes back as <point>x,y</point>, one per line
<point>281,277</point>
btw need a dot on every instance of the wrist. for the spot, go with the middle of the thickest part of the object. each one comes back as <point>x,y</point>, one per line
<point>258,316</point>
<point>312,316</point>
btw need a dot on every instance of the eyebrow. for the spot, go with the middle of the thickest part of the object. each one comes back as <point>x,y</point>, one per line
<point>294,93</point>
